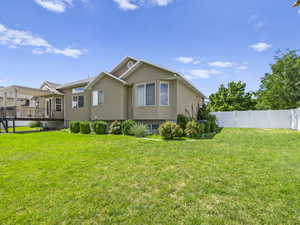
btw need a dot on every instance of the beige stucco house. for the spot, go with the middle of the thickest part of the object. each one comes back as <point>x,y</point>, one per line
<point>134,89</point>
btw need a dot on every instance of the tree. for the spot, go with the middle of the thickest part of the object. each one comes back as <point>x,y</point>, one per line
<point>280,89</point>
<point>231,98</point>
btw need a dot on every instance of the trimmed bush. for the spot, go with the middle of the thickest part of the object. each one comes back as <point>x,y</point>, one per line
<point>170,130</point>
<point>194,129</point>
<point>211,117</point>
<point>213,126</point>
<point>139,130</point>
<point>75,127</point>
<point>85,127</point>
<point>35,124</point>
<point>99,127</point>
<point>206,126</point>
<point>182,120</point>
<point>126,127</point>
<point>115,128</point>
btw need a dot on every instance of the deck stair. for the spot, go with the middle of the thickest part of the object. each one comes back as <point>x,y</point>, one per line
<point>4,123</point>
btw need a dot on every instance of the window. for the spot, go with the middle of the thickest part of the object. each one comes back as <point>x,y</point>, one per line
<point>26,102</point>
<point>77,102</point>
<point>141,95</point>
<point>78,90</point>
<point>58,104</point>
<point>98,98</point>
<point>80,101</point>
<point>145,94</point>
<point>164,93</point>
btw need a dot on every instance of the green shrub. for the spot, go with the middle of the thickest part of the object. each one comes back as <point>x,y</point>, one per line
<point>115,128</point>
<point>211,117</point>
<point>207,126</point>
<point>75,127</point>
<point>99,127</point>
<point>182,120</point>
<point>213,126</point>
<point>202,112</point>
<point>170,130</point>
<point>126,127</point>
<point>194,129</point>
<point>140,130</point>
<point>85,127</point>
<point>35,124</point>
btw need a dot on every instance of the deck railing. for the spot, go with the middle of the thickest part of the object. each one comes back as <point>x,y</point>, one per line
<point>24,112</point>
<point>8,112</point>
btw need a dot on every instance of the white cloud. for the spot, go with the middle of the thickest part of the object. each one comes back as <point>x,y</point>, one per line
<point>16,38</point>
<point>187,60</point>
<point>126,4</point>
<point>58,6</point>
<point>242,67</point>
<point>260,47</point>
<point>162,2</point>
<point>299,11</point>
<point>202,74</point>
<point>221,64</point>
<point>135,4</point>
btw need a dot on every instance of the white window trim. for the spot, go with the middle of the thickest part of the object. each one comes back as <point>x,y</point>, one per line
<point>61,105</point>
<point>76,107</point>
<point>145,94</point>
<point>93,92</point>
<point>168,83</point>
<point>98,97</point>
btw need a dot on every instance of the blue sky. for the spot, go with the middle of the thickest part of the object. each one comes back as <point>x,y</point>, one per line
<point>211,42</point>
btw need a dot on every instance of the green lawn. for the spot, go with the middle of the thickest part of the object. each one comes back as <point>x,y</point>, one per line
<point>242,176</point>
<point>20,129</point>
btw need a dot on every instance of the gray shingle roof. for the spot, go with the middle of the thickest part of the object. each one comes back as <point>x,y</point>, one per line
<point>75,83</point>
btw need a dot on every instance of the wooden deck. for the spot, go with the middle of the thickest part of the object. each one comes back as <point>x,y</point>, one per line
<point>23,114</point>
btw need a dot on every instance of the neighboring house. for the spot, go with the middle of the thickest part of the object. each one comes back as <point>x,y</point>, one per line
<point>23,99</point>
<point>134,89</point>
<point>9,97</point>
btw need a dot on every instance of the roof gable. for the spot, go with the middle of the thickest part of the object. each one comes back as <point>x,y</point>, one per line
<point>176,75</point>
<point>105,74</point>
<point>122,66</point>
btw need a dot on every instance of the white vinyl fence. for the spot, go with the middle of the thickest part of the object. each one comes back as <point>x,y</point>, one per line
<point>289,119</point>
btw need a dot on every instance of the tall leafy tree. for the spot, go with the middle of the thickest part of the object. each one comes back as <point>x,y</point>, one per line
<point>231,98</point>
<point>280,89</point>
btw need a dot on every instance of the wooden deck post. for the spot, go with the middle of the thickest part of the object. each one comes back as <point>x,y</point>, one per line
<point>14,126</point>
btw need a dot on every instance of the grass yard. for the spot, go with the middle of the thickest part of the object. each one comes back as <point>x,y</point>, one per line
<point>20,129</point>
<point>242,176</point>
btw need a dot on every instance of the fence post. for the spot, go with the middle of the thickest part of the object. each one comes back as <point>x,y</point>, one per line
<point>298,119</point>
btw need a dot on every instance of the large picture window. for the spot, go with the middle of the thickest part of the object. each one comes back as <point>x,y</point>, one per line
<point>78,102</point>
<point>145,94</point>
<point>164,93</point>
<point>98,98</point>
